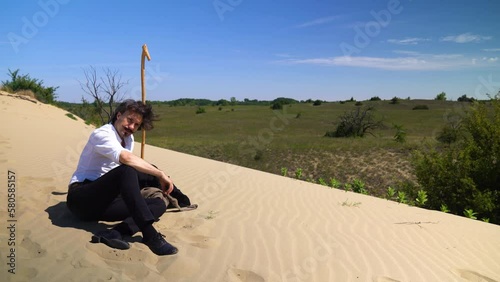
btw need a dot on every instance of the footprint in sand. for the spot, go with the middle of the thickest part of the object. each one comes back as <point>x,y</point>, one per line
<point>472,276</point>
<point>136,254</point>
<point>34,249</point>
<point>60,257</point>
<point>241,275</point>
<point>188,230</point>
<point>199,241</point>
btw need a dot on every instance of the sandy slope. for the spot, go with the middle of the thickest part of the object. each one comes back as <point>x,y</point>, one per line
<point>250,226</point>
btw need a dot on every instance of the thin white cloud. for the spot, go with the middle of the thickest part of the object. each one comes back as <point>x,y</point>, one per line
<point>425,56</point>
<point>490,59</point>
<point>408,41</point>
<point>405,63</point>
<point>443,56</point>
<point>408,53</point>
<point>492,50</point>
<point>283,55</point>
<point>465,38</point>
<point>319,21</point>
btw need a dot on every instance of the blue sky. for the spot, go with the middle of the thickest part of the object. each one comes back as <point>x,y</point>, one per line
<point>260,49</point>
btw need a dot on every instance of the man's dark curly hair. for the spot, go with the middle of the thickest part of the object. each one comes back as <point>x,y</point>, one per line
<point>146,111</point>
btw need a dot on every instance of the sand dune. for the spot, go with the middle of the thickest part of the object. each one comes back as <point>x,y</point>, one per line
<point>250,225</point>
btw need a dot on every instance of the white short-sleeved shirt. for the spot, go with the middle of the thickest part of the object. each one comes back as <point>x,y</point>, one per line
<point>101,153</point>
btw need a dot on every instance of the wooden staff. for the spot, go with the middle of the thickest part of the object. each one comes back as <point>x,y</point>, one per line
<point>145,54</point>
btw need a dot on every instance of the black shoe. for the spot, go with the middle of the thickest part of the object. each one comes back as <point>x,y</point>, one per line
<point>111,238</point>
<point>160,246</point>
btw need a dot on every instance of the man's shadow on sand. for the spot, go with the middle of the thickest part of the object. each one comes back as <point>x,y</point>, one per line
<point>60,215</point>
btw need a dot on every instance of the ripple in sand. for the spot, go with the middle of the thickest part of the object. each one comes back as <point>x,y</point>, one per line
<point>385,279</point>
<point>240,275</point>
<point>470,275</point>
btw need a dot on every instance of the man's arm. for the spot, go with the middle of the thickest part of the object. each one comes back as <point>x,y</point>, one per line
<point>141,165</point>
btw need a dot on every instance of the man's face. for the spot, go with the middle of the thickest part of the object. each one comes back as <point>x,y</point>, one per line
<point>127,123</point>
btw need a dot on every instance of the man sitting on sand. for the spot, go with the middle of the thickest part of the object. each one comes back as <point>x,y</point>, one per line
<point>105,185</point>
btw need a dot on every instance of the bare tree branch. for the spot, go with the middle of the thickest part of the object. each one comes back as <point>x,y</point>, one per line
<point>104,90</point>
<point>112,85</point>
<point>92,87</point>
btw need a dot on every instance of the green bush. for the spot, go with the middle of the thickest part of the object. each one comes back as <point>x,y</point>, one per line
<point>407,190</point>
<point>25,82</point>
<point>298,173</point>
<point>391,192</point>
<point>400,135</point>
<point>86,111</point>
<point>221,102</point>
<point>451,131</point>
<point>448,135</point>
<point>421,107</point>
<point>394,100</point>
<point>285,101</point>
<point>322,181</point>
<point>278,103</point>
<point>334,183</point>
<point>465,175</point>
<point>402,197</point>
<point>358,186</point>
<point>356,123</point>
<point>277,106</point>
<point>421,198</point>
<point>284,171</point>
<point>317,103</point>
<point>200,110</point>
<point>469,213</point>
<point>440,97</point>
<point>71,116</point>
<point>375,98</point>
<point>464,98</point>
<point>258,155</point>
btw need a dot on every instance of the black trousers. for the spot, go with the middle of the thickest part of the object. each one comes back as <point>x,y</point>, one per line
<point>116,196</point>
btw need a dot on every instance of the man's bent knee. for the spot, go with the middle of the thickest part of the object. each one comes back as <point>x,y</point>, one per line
<point>126,169</point>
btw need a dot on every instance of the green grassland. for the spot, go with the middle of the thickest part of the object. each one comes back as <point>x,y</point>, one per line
<point>460,176</point>
<point>257,137</point>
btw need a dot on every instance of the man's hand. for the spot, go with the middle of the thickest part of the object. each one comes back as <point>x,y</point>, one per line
<point>128,158</point>
<point>167,185</point>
